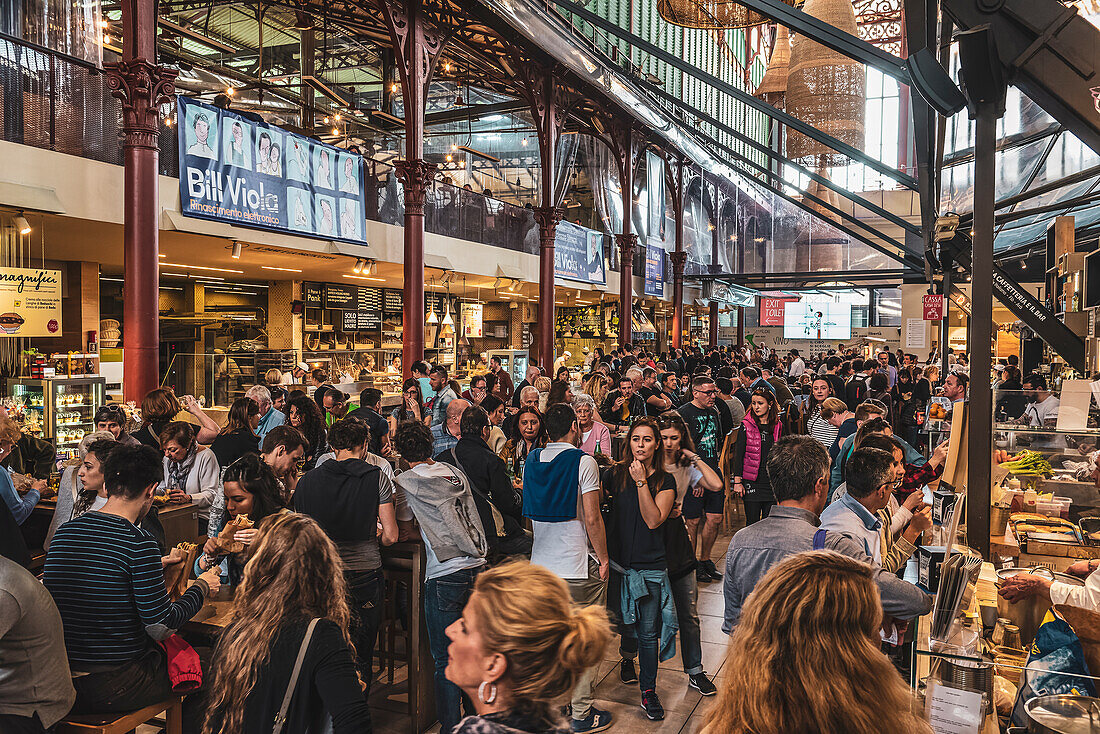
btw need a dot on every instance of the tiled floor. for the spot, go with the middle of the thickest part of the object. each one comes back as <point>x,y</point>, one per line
<point>684,706</point>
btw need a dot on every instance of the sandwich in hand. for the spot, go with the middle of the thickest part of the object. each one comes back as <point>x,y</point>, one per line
<point>225,541</point>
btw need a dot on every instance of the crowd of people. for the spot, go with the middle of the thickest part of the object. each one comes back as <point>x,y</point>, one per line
<point>553,512</point>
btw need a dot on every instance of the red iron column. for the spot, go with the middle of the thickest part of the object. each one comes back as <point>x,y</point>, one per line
<point>547,218</point>
<point>141,86</point>
<point>678,258</point>
<point>624,144</point>
<point>713,340</point>
<point>416,48</point>
<point>626,241</point>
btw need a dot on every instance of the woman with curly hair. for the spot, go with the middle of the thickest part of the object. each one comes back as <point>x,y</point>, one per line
<point>292,598</point>
<point>305,415</point>
<point>597,388</point>
<point>805,657</point>
<point>519,648</point>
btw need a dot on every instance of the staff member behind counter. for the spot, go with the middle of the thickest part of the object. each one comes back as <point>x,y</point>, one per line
<point>1025,585</point>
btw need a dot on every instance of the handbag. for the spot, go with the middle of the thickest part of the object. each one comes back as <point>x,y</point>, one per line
<point>280,718</point>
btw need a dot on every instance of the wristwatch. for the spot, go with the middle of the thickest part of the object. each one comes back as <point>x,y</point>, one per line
<point>640,483</point>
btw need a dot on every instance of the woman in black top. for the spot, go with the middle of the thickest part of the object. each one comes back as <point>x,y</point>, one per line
<point>293,577</point>
<point>642,494</point>
<point>412,405</point>
<point>239,435</point>
<point>878,388</point>
<point>306,417</point>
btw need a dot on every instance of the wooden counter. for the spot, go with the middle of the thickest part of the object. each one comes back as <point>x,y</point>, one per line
<point>180,522</point>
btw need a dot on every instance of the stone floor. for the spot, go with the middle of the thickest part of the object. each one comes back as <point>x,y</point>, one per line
<point>685,708</point>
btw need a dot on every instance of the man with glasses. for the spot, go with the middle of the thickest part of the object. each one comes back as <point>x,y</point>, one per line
<point>112,418</point>
<point>705,425</point>
<point>887,369</point>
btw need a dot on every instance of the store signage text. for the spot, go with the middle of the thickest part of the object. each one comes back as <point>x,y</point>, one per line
<point>771,310</point>
<point>30,302</point>
<point>933,307</point>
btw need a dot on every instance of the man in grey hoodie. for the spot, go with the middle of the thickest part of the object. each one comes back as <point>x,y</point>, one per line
<point>439,496</point>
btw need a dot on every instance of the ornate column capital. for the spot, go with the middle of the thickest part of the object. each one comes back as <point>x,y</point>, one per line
<point>415,176</point>
<point>626,243</point>
<point>141,86</point>
<point>548,218</point>
<point>678,260</point>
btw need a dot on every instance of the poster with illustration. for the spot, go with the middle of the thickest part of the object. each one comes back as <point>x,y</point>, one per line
<point>242,171</point>
<point>199,130</point>
<point>236,144</point>
<point>349,219</point>
<point>324,215</point>
<point>269,153</point>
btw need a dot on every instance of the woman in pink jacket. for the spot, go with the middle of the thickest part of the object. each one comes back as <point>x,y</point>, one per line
<point>760,431</point>
<point>595,436</point>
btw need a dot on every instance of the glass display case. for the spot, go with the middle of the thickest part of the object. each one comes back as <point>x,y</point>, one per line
<point>512,361</point>
<point>56,409</point>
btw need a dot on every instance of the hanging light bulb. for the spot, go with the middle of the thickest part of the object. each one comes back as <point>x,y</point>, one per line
<point>230,91</point>
<point>335,131</point>
<point>447,320</point>
<point>432,318</point>
<point>523,142</point>
<point>447,67</point>
<point>393,88</point>
<point>450,157</point>
<point>326,120</point>
<point>338,117</point>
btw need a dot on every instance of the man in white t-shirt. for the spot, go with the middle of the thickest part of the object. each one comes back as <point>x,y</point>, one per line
<point>797,366</point>
<point>561,497</point>
<point>1043,404</point>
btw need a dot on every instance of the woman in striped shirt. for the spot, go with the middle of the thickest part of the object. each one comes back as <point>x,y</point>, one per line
<point>822,430</point>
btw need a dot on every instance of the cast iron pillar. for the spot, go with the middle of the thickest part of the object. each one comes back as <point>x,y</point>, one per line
<point>141,85</point>
<point>626,242</point>
<point>549,103</point>
<point>713,325</point>
<point>416,178</point>
<point>547,218</point>
<point>416,49</point>
<point>678,257</point>
<point>625,143</point>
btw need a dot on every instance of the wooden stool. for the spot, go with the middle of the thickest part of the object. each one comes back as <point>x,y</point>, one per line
<point>172,709</point>
<point>386,651</point>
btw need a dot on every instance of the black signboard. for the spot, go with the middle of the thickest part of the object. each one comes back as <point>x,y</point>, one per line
<point>341,296</point>
<point>312,295</point>
<point>369,320</point>
<point>392,300</point>
<point>370,299</point>
<point>350,322</point>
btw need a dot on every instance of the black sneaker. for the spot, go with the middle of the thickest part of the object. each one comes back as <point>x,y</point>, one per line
<point>701,575</point>
<point>710,568</point>
<point>701,683</point>
<point>598,720</point>
<point>626,671</point>
<point>654,711</point>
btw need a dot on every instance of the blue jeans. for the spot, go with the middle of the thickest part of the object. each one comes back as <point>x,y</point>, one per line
<point>648,629</point>
<point>685,593</point>
<point>444,599</point>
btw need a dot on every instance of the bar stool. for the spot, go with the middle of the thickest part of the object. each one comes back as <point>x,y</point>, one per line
<point>172,709</point>
<point>396,571</point>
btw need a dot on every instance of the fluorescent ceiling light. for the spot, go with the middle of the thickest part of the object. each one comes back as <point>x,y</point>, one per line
<point>201,267</point>
<point>364,277</point>
<point>288,270</point>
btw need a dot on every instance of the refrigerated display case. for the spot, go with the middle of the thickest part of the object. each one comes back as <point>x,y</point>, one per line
<point>512,361</point>
<point>57,409</point>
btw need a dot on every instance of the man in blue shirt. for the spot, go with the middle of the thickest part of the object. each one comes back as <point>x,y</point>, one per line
<point>869,483</point>
<point>443,394</point>
<point>269,416</point>
<point>446,434</point>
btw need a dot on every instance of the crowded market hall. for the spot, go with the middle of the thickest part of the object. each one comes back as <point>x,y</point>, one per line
<point>550,366</point>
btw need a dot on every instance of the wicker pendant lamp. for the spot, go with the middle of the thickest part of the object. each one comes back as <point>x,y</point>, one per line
<point>710,13</point>
<point>773,87</point>
<point>825,88</point>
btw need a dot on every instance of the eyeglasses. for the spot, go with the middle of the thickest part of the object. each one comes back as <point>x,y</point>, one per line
<point>705,392</point>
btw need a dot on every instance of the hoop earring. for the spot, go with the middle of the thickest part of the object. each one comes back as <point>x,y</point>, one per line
<point>492,692</point>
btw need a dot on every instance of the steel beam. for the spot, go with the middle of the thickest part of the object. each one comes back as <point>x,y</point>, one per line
<point>741,95</point>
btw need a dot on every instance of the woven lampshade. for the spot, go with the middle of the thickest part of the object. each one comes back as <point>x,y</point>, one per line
<point>825,88</point>
<point>710,13</point>
<point>773,87</point>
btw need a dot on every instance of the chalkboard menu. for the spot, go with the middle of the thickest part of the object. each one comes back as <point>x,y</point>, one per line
<point>392,300</point>
<point>370,299</point>
<point>341,296</point>
<point>360,320</point>
<point>312,295</point>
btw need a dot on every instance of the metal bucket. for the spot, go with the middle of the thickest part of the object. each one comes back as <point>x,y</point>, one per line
<point>1028,613</point>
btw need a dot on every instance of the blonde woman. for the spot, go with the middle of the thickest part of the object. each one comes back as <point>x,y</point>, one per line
<point>805,657</point>
<point>519,648</point>
<point>543,385</point>
<point>597,388</point>
<point>293,585</point>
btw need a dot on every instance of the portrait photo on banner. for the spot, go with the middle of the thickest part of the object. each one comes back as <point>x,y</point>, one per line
<point>200,130</point>
<point>269,152</point>
<point>236,143</point>
<point>299,209</point>
<point>297,159</point>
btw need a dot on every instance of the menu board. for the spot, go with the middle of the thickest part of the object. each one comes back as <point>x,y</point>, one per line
<point>311,293</point>
<point>360,320</point>
<point>370,299</point>
<point>392,300</point>
<point>341,296</point>
<point>237,170</point>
